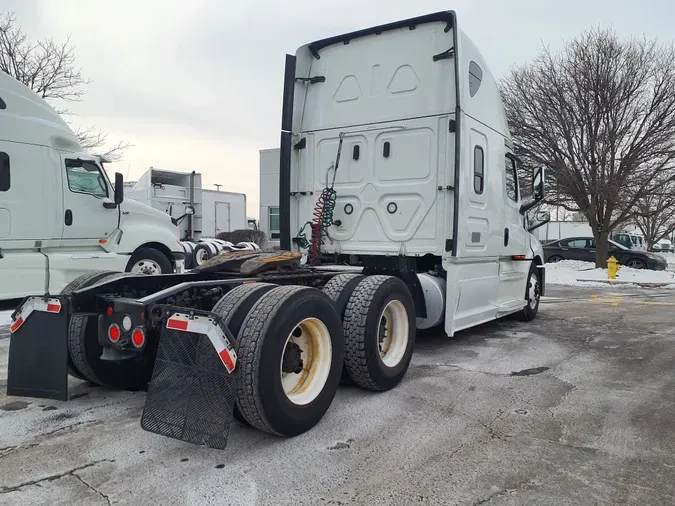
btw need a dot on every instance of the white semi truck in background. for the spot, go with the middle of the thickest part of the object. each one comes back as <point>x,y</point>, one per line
<point>200,214</point>
<point>397,162</point>
<point>60,216</point>
<point>173,191</point>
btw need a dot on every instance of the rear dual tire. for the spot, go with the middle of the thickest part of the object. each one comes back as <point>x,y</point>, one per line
<point>88,279</point>
<point>286,324</point>
<point>340,289</point>
<point>85,352</point>
<point>379,328</point>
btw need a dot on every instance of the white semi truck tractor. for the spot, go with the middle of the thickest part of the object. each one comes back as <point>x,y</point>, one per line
<point>398,184</point>
<point>60,216</point>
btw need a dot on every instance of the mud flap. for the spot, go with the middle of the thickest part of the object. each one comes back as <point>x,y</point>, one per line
<point>192,391</point>
<point>38,352</point>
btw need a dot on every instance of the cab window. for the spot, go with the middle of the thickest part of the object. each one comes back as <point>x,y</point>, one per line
<point>85,176</point>
<point>511,179</point>
<point>4,172</point>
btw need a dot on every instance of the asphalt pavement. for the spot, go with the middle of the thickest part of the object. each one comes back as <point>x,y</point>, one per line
<point>576,407</point>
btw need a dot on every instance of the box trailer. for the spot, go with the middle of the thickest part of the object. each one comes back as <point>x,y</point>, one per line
<point>399,183</point>
<point>223,212</point>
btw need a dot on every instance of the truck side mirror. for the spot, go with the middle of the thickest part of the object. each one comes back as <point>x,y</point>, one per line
<point>540,218</point>
<point>119,188</point>
<point>537,190</point>
<point>189,211</point>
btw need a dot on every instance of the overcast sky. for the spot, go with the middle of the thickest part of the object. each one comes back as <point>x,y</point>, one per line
<point>198,84</point>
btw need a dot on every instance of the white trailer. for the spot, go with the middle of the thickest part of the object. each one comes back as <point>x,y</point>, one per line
<point>175,192</point>
<point>60,216</point>
<point>395,150</point>
<point>223,212</point>
<point>555,230</point>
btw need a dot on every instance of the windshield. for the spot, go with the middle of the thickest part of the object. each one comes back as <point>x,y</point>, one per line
<point>618,246</point>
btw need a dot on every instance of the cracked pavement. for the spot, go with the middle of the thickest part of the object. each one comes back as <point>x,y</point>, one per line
<point>576,407</point>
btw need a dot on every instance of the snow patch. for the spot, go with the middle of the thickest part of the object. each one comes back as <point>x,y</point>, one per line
<point>5,318</point>
<point>569,272</point>
<point>670,257</point>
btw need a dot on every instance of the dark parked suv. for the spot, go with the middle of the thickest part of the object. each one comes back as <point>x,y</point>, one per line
<point>583,248</point>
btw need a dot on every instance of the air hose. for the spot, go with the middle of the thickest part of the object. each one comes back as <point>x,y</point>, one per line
<point>322,217</point>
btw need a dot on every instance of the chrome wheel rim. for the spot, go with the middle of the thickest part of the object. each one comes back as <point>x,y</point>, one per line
<point>148,267</point>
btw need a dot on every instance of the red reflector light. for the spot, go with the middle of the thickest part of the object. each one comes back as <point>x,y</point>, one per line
<point>138,338</point>
<point>177,324</point>
<point>114,333</point>
<point>15,326</point>
<point>109,311</point>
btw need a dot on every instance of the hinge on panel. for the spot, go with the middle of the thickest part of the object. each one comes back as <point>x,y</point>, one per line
<point>302,144</point>
<point>445,54</point>
<point>448,245</point>
<point>312,80</point>
<point>452,126</point>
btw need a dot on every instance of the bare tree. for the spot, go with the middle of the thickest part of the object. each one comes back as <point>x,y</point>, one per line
<point>600,116</point>
<point>94,140</point>
<point>48,68</point>
<point>655,214</point>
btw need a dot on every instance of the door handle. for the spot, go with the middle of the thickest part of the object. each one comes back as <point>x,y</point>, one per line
<point>506,237</point>
<point>69,217</point>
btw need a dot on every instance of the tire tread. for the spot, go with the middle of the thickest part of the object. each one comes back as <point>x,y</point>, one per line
<point>249,344</point>
<point>354,325</point>
<point>76,328</point>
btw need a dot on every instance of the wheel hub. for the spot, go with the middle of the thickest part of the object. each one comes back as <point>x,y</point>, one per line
<point>382,341</point>
<point>534,292</point>
<point>306,361</point>
<point>292,360</point>
<point>392,334</point>
<point>147,267</point>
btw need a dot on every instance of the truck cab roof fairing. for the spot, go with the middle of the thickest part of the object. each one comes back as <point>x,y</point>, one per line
<point>448,16</point>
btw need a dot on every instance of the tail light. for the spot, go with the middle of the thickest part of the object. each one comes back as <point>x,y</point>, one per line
<point>114,333</point>
<point>138,337</point>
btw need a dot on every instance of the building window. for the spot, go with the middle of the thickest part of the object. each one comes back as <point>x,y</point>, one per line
<point>478,169</point>
<point>275,232</point>
<point>4,172</point>
<point>511,179</point>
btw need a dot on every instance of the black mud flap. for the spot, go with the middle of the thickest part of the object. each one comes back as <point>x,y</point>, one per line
<point>191,395</point>
<point>38,354</point>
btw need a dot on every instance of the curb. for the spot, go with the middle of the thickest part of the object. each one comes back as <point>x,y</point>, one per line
<point>643,284</point>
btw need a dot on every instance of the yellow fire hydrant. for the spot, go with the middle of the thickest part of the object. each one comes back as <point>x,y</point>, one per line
<point>612,268</point>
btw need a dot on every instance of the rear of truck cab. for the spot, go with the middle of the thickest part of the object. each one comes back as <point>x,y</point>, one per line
<point>426,172</point>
